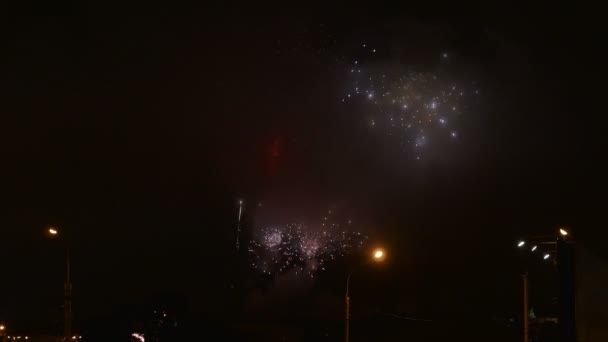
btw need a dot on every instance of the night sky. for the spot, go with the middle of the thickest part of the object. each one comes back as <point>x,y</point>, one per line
<point>137,129</point>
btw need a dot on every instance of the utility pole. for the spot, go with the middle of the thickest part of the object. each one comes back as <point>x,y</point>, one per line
<point>526,310</point>
<point>67,328</point>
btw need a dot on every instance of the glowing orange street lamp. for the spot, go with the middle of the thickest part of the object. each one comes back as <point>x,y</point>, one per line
<point>379,255</point>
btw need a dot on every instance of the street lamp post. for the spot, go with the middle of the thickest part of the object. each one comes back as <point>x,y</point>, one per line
<point>347,309</point>
<point>377,256</point>
<point>526,306</point>
<point>2,333</point>
<point>566,319</point>
<point>567,302</point>
<point>67,305</point>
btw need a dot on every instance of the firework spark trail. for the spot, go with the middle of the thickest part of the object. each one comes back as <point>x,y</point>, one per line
<point>416,107</point>
<point>238,227</point>
<point>302,248</point>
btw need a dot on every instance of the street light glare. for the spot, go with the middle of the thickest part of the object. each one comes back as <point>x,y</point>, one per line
<point>53,231</point>
<point>2,327</point>
<point>521,243</point>
<point>379,254</point>
<point>546,256</point>
<point>534,248</point>
<point>563,232</point>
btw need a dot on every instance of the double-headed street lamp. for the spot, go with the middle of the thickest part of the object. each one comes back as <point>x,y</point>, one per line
<point>378,255</point>
<point>53,232</point>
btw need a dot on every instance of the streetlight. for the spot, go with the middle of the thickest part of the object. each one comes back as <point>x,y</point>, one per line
<point>547,255</point>
<point>378,255</point>
<point>54,232</point>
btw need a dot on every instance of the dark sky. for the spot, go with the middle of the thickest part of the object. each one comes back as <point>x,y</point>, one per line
<point>136,129</point>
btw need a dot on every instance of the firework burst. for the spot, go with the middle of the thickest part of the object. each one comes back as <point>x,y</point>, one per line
<point>301,248</point>
<point>419,108</point>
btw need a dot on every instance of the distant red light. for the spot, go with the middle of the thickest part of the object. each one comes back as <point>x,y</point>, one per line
<point>275,149</point>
